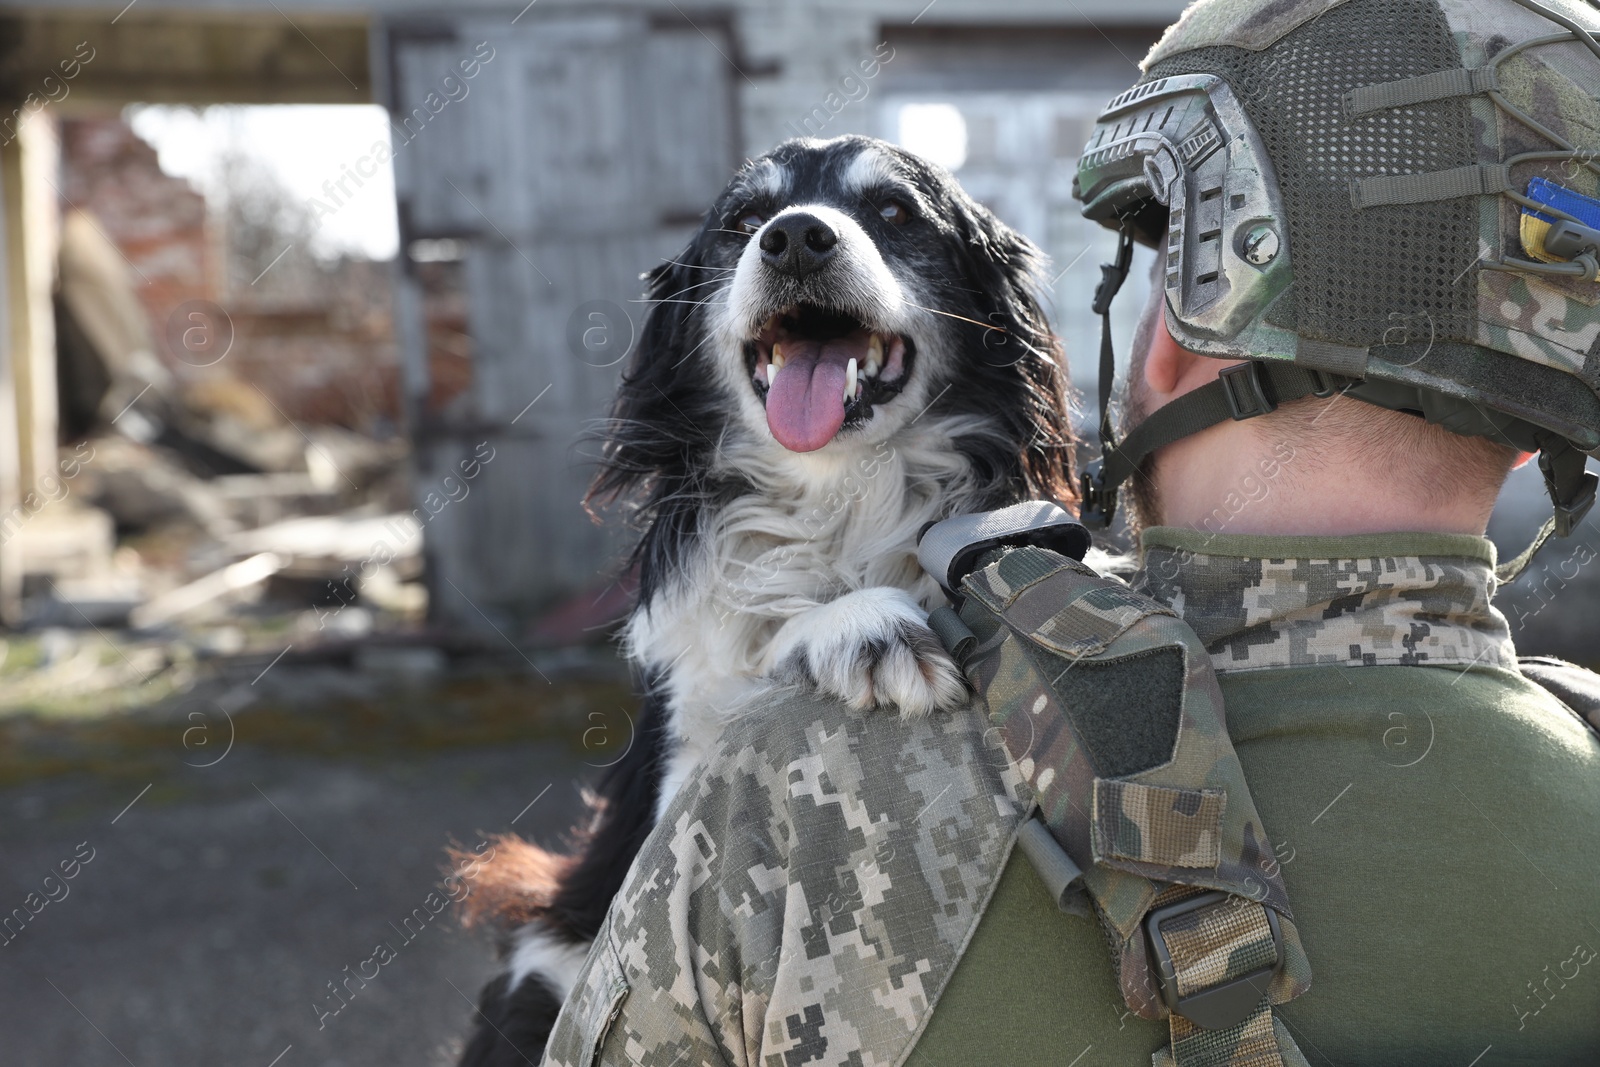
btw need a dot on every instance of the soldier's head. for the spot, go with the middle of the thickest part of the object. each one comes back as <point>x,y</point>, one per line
<point>1388,210</point>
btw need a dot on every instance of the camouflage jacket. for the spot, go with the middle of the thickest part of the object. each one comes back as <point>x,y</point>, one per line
<point>809,891</point>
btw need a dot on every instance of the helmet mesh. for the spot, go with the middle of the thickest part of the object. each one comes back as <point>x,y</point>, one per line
<point>1360,274</point>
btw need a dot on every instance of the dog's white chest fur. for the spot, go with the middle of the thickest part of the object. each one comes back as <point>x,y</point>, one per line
<point>812,572</point>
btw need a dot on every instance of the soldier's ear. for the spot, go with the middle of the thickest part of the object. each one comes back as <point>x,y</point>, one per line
<point>1170,370</point>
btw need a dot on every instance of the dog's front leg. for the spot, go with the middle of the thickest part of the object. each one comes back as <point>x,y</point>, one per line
<point>870,648</point>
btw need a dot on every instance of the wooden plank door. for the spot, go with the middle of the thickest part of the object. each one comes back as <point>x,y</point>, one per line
<point>579,153</point>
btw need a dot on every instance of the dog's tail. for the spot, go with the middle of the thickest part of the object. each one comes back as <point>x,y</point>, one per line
<point>514,886</point>
<point>513,893</point>
<point>548,906</point>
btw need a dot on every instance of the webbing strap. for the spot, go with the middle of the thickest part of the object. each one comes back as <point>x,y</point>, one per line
<point>948,550</point>
<point>1512,569</point>
<point>1203,408</point>
<point>1386,190</point>
<point>1440,85</point>
<point>1096,508</point>
<point>1348,360</point>
<point>1260,1041</point>
<point>1218,958</point>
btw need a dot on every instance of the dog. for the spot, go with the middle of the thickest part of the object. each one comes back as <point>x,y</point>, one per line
<point>850,349</point>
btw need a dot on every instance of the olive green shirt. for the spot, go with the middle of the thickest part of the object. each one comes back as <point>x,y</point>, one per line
<point>1437,820</point>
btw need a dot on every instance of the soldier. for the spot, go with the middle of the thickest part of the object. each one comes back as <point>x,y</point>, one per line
<point>1378,247</point>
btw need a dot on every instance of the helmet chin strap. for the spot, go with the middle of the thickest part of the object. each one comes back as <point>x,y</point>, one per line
<point>1242,391</point>
<point>1252,388</point>
<point>1098,501</point>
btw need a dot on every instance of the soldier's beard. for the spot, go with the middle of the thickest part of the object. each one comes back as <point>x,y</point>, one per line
<point>1144,505</point>
<point>1144,502</point>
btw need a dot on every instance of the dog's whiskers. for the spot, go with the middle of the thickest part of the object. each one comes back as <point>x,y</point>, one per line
<point>668,300</point>
<point>953,315</point>
<point>696,285</point>
<point>693,350</point>
<point>697,266</point>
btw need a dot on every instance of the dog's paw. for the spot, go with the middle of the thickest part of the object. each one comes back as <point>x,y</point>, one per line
<point>870,648</point>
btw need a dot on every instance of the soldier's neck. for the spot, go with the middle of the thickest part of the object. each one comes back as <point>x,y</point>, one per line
<point>1335,467</point>
<point>1232,478</point>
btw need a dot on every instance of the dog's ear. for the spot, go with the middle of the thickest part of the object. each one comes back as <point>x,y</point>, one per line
<point>1018,358</point>
<point>650,427</point>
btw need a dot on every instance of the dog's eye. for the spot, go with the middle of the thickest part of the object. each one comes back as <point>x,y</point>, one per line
<point>751,221</point>
<point>894,211</point>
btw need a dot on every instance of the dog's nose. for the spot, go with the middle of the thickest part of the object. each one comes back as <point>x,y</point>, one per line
<point>797,244</point>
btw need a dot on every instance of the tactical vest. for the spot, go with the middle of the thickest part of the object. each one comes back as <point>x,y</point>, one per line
<point>1107,703</point>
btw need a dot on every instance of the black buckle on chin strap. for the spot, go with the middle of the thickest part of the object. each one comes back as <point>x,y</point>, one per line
<point>1227,1003</point>
<point>1571,487</point>
<point>1096,503</point>
<point>1571,513</point>
<point>1113,274</point>
<point>1245,390</point>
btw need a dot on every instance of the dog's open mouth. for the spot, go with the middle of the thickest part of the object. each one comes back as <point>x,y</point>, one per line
<point>818,370</point>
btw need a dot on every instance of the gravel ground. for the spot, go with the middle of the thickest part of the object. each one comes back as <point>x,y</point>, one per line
<point>221,902</point>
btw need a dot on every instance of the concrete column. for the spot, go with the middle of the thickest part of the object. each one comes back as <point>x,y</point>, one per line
<point>29,171</point>
<point>25,311</point>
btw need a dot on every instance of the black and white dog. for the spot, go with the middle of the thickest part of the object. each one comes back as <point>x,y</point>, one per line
<point>850,349</point>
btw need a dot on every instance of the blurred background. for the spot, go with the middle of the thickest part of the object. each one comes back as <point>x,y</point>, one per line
<point>305,311</point>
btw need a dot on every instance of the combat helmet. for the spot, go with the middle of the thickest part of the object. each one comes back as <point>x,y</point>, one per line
<point>1393,199</point>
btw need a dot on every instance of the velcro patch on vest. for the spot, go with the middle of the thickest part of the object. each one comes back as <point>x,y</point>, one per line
<point>1154,824</point>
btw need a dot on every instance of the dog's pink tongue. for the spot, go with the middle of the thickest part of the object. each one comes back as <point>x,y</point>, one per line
<point>805,406</point>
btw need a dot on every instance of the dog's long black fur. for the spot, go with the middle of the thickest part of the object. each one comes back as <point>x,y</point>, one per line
<point>667,426</point>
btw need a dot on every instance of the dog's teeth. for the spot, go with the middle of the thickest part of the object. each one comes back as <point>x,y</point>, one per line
<point>895,367</point>
<point>772,374</point>
<point>850,380</point>
<point>874,356</point>
<point>777,356</point>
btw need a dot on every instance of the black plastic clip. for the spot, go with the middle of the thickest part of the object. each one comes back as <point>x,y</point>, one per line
<point>1571,487</point>
<point>1097,504</point>
<point>1570,513</point>
<point>1245,391</point>
<point>1112,275</point>
<point>1322,385</point>
<point>1569,240</point>
<point>1221,1006</point>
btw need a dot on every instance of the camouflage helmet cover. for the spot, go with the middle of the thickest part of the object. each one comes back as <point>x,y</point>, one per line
<point>1365,188</point>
